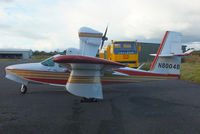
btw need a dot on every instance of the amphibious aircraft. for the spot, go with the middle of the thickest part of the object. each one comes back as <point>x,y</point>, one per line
<point>83,74</point>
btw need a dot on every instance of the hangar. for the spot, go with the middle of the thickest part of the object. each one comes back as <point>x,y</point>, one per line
<point>15,53</point>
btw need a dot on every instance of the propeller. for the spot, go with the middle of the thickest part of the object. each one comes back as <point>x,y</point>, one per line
<point>104,38</point>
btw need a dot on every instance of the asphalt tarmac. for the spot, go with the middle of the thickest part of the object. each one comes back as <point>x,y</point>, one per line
<point>159,107</point>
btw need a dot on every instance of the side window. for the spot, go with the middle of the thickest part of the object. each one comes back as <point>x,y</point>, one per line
<point>48,62</point>
<point>60,66</point>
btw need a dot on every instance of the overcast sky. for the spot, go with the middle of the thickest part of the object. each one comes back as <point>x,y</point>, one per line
<point>53,24</point>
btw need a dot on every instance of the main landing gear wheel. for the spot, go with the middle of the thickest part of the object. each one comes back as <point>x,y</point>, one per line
<point>23,89</point>
<point>88,100</point>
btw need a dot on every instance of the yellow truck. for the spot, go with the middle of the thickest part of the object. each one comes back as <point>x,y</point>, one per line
<point>125,52</point>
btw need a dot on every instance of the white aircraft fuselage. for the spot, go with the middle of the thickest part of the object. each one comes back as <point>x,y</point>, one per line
<point>83,74</point>
<point>58,75</point>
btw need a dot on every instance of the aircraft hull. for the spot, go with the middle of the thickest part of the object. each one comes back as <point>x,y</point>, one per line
<point>60,78</point>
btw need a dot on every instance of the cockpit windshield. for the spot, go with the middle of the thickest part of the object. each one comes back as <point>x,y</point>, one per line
<point>48,62</point>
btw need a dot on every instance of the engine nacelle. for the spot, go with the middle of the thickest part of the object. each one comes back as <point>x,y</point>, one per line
<point>90,41</point>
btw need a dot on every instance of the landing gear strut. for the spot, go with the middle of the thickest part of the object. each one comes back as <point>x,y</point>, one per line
<point>88,100</point>
<point>23,89</point>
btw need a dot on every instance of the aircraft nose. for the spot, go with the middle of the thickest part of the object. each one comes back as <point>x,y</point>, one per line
<point>9,71</point>
<point>25,66</point>
<point>10,67</point>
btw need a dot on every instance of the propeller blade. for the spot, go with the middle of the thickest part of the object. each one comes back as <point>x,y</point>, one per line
<point>104,38</point>
<point>105,32</point>
<point>102,42</point>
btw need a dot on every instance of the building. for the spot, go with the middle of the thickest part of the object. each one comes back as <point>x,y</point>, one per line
<point>146,49</point>
<point>15,53</point>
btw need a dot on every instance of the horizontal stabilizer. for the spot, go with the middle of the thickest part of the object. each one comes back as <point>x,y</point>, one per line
<point>170,55</point>
<point>185,54</point>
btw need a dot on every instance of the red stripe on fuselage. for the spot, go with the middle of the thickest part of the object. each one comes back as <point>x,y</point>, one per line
<point>138,73</point>
<point>50,81</point>
<point>159,50</point>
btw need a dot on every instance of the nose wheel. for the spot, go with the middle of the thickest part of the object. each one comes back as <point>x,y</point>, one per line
<point>23,89</point>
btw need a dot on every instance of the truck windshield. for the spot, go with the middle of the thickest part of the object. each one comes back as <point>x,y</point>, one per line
<point>125,48</point>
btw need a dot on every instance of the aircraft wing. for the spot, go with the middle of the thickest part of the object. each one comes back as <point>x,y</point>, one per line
<point>86,72</point>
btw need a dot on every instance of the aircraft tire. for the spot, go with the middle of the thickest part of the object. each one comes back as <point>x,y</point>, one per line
<point>23,89</point>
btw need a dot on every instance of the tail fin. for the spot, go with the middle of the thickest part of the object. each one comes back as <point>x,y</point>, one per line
<point>168,60</point>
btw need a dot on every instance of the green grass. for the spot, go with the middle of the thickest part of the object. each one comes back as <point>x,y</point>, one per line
<point>146,66</point>
<point>10,59</point>
<point>190,69</point>
<point>190,72</point>
<point>39,57</point>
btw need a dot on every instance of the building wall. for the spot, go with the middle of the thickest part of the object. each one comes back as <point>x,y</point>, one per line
<point>15,54</point>
<point>25,55</point>
<point>146,49</point>
<point>11,56</point>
